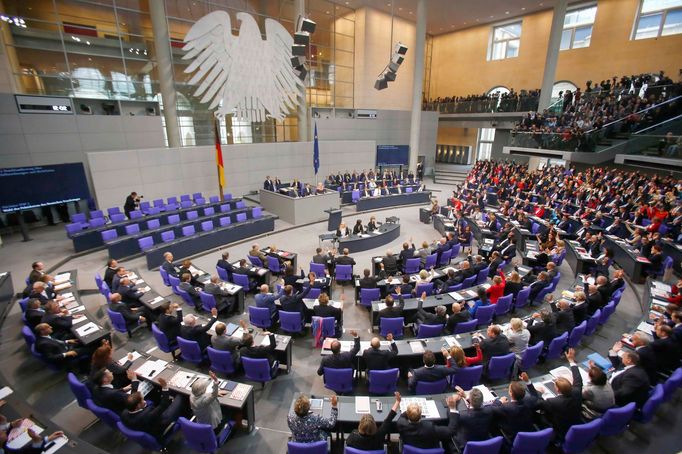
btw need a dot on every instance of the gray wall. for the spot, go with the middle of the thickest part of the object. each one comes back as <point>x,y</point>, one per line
<point>165,172</point>
<point>391,127</point>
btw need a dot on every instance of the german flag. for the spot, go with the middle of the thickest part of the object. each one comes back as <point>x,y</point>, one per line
<point>219,157</point>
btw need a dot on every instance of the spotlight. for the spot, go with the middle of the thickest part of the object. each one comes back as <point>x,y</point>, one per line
<point>380,83</point>
<point>302,38</point>
<point>298,50</point>
<point>400,48</point>
<point>306,25</point>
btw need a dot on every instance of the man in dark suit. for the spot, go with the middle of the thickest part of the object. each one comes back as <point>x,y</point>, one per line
<point>496,344</point>
<point>56,351</point>
<point>153,420</point>
<point>665,348</point>
<point>119,274</point>
<point>539,285</point>
<point>105,395</point>
<point>617,282</point>
<point>515,414</point>
<point>473,423</point>
<point>223,299</point>
<point>34,313</point>
<point>268,185</point>
<point>132,316</point>
<point>453,278</point>
<point>109,272</point>
<point>563,317</point>
<point>345,259</point>
<point>406,253</point>
<point>377,359</point>
<point>198,333</point>
<point>430,372</point>
<point>226,343</point>
<point>249,350</point>
<point>477,264</point>
<point>368,281</point>
<point>186,285</point>
<point>170,321</point>
<point>323,259</point>
<point>647,357</point>
<point>565,409</point>
<point>338,359</point>
<point>541,327</point>
<point>324,309</point>
<point>423,434</point>
<point>168,265</point>
<point>60,322</point>
<point>293,302</point>
<point>225,264</point>
<point>266,299</point>
<point>594,299</point>
<point>430,318</point>
<point>41,291</point>
<point>390,263</point>
<point>129,295</point>
<point>391,310</point>
<point>458,316</point>
<point>630,382</point>
<point>131,203</point>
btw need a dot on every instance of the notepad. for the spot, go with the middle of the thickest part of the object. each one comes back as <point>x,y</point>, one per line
<point>125,359</point>
<point>265,342</point>
<point>451,341</point>
<point>78,320</point>
<point>63,286</point>
<point>62,277</point>
<point>362,405</point>
<point>88,328</point>
<point>381,306</point>
<point>600,361</point>
<point>54,445</point>
<point>416,347</point>
<point>158,299</point>
<point>456,296</point>
<point>488,396</point>
<point>646,327</point>
<point>151,369</point>
<point>662,286</point>
<point>6,391</point>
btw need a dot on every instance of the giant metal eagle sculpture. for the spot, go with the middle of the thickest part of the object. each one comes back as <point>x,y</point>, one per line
<point>244,73</point>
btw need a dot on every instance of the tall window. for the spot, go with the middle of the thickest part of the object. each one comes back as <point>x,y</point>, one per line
<point>578,28</point>
<point>486,138</point>
<point>659,18</point>
<point>505,42</point>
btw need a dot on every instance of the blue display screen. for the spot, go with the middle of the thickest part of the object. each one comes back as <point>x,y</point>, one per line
<point>393,155</point>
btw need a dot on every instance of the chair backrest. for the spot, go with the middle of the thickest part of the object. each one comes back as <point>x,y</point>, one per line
<point>445,258</point>
<point>98,280</point>
<point>503,304</point>
<point>555,282</point>
<point>199,437</point>
<point>145,440</point>
<point>577,334</point>
<point>531,356</point>
<point>592,323</point>
<point>454,251</point>
<point>105,290</point>
<point>429,331</point>
<point>259,316</point>
<point>522,297</point>
<point>209,211</point>
<point>465,327</point>
<point>73,228</point>
<point>161,340</point>
<point>109,235</point>
<point>424,287</point>
<point>412,265</point>
<point>256,261</point>
<point>117,321</point>
<point>240,204</point>
<point>104,414</point>
<point>556,347</point>
<point>318,447</point>
<point>355,195</point>
<point>80,390</point>
<point>491,446</point>
<point>190,350</point>
<point>214,199</point>
<point>167,236</point>
<point>23,303</point>
<point>188,230</point>
<point>257,369</point>
<point>350,450</point>
<point>318,268</point>
<point>274,265</point>
<point>383,381</point>
<point>482,275</point>
<point>225,220</point>
<point>113,210</point>
<point>132,229</point>
<point>158,203</point>
<point>241,217</point>
<point>185,203</point>
<point>222,273</point>
<point>174,219</point>
<point>338,380</point>
<point>431,261</point>
<point>500,367</point>
<point>196,195</point>
<point>164,277</point>
<point>256,212</point>
<point>541,295</point>
<point>290,322</point>
<point>672,383</point>
<point>136,214</point>
<point>221,361</point>
<point>327,325</point>
<point>174,282</point>
<point>367,295</point>
<point>431,387</point>
<point>78,217</point>
<point>615,420</point>
<point>207,300</point>
<point>606,312</point>
<point>455,288</point>
<point>344,272</point>
<point>532,442</point>
<point>96,222</point>
<point>185,197</point>
<point>117,217</point>
<point>409,449</point>
<point>192,215</point>
<point>580,436</point>
<point>467,377</point>
<point>484,314</point>
<point>651,405</point>
<point>224,208</point>
<point>96,214</point>
<point>172,200</point>
<point>242,280</point>
<point>207,226</point>
<point>469,282</point>
<point>153,224</point>
<point>145,242</point>
<point>185,296</point>
<point>314,293</point>
<point>392,325</point>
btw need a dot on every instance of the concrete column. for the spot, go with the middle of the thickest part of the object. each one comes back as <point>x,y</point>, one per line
<point>418,83</point>
<point>552,54</point>
<point>164,61</point>
<point>303,129</point>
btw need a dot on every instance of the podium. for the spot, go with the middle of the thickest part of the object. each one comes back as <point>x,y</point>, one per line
<point>334,219</point>
<point>425,215</point>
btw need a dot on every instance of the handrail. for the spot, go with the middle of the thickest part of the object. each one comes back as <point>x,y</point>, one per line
<point>657,125</point>
<point>655,106</point>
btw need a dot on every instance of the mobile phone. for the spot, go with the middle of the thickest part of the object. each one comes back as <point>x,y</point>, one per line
<point>380,406</point>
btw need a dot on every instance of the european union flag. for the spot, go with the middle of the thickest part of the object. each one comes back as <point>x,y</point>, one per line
<point>316,152</point>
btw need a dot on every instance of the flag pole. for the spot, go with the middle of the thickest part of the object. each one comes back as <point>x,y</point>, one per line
<point>219,157</point>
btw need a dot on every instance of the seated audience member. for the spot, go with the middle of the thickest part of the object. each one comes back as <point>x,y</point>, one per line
<point>120,273</point>
<point>459,315</point>
<point>541,327</point>
<point>408,252</point>
<point>187,268</point>
<point>456,357</point>
<point>250,350</point>
<point>377,359</point>
<point>106,394</point>
<point>205,405</point>
<point>390,263</point>
<point>226,343</point>
<point>339,359</point>
<point>323,259</point>
<point>368,281</point>
<point>59,352</point>
<point>372,224</point>
<point>192,331</point>
<point>495,262</point>
<point>129,294</point>
<point>482,300</point>
<point>40,291</point>
<point>423,317</point>
<point>34,313</point>
<point>452,278</point>
<point>391,310</point>
<point>597,394</point>
<point>153,420</point>
<point>496,290</point>
<point>225,264</point>
<point>224,301</point>
<point>403,288</point>
<point>424,434</point>
<point>367,436</point>
<point>539,285</point>
<point>655,267</point>
<point>102,359</point>
<point>342,231</point>
<point>266,299</point>
<point>37,270</point>
<point>564,410</point>
<point>630,382</point>
<point>430,372</point>
<point>168,265</point>
<point>109,272</point>
<point>291,278</point>
<point>345,259</point>
<point>513,285</point>
<point>59,320</point>
<point>293,302</point>
<point>563,317</point>
<point>515,413</point>
<point>666,349</point>
<point>518,337</point>
<point>186,285</point>
<point>473,423</point>
<point>496,344</point>
<point>170,320</point>
<point>358,228</point>
<point>308,427</point>
<point>256,252</point>
<point>324,309</point>
<point>594,299</point>
<point>132,315</point>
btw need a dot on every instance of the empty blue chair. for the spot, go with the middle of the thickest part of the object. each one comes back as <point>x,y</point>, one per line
<point>227,196</point>
<point>136,214</point>
<point>580,436</point>
<point>411,266</point>
<point>672,384</point>
<point>314,293</point>
<point>109,235</point>
<point>425,331</point>
<point>274,265</point>
<point>113,210</point>
<point>491,446</point>
<point>257,212</point>
<point>344,273</point>
<point>241,217</point>
<point>153,224</point>
<point>606,312</point>
<point>192,215</point>
<point>592,323</point>
<point>207,300</point>
<point>260,317</point>
<point>522,298</point>
<point>221,361</point>
<point>338,380</point>
<point>465,327</point>
<point>500,367</point>
<point>209,211</point>
<point>23,303</point>
<point>167,236</point>
<point>318,447</point>
<point>531,356</point>
<point>185,197</point>
<point>255,261</point>
<point>240,204</point>
<point>532,442</point>
<point>326,325</point>
<point>201,437</point>
<point>132,229</point>
<point>162,341</point>
<point>482,275</point>
<point>355,195</point>
<point>80,390</point>
<point>188,230</point>
<point>185,204</point>
<point>225,208</point>
<point>556,347</point>
<point>214,199</point>
<point>158,203</point>
<point>145,243</point>
<point>392,325</point>
<point>258,370</point>
<point>104,414</point>
<point>484,314</point>
<point>207,226</point>
<point>445,258</point>
<point>577,334</point>
<point>73,228</point>
<point>469,282</point>
<point>431,261</point>
<point>291,322</point>
<point>96,222</point>
<point>190,351</point>
<point>164,277</point>
<point>118,217</point>
<point>454,251</point>
<point>383,382</point>
<point>350,450</point>
<point>174,219</point>
<point>424,287</point>
<point>143,439</point>
<point>174,282</point>
<point>172,200</point>
<point>367,295</point>
<point>79,218</point>
<point>222,273</point>
<point>318,268</point>
<point>615,420</point>
<point>503,305</point>
<point>118,322</point>
<point>431,387</point>
<point>225,220</point>
<point>649,408</point>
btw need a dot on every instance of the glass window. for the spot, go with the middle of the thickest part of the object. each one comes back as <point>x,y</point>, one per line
<point>659,18</point>
<point>486,137</point>
<point>578,28</point>
<point>505,41</point>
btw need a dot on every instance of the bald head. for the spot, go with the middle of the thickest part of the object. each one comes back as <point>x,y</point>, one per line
<point>264,288</point>
<point>375,343</point>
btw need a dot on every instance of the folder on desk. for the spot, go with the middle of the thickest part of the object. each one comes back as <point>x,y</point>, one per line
<point>599,360</point>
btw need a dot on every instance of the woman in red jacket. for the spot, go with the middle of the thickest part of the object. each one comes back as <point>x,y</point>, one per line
<point>455,357</point>
<point>496,290</point>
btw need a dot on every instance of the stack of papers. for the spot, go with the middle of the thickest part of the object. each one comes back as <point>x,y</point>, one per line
<point>125,359</point>
<point>662,286</point>
<point>565,372</point>
<point>61,278</point>
<point>488,397</point>
<point>88,328</point>
<point>451,341</point>
<point>158,299</point>
<point>428,407</point>
<point>346,346</point>
<point>381,306</point>
<point>181,379</point>
<point>150,369</point>
<point>362,405</point>
<point>78,320</point>
<point>456,296</point>
<point>18,436</point>
<point>63,286</point>
<point>417,347</point>
<point>646,327</point>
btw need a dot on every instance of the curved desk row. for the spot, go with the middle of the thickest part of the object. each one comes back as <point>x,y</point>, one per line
<point>347,195</point>
<point>187,246</point>
<point>383,235</point>
<point>385,201</point>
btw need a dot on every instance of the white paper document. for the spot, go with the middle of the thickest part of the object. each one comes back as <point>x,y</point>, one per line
<point>451,341</point>
<point>151,369</point>
<point>362,404</point>
<point>487,394</point>
<point>125,359</point>
<point>88,328</point>
<point>456,296</point>
<point>646,327</point>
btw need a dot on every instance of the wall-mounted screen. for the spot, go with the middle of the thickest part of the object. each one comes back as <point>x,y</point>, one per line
<point>23,188</point>
<point>393,155</point>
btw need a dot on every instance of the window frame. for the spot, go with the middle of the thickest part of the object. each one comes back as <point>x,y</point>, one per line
<point>573,28</point>
<point>664,14</point>
<point>492,41</point>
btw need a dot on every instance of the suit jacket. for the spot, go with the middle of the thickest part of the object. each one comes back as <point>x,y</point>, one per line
<point>631,385</point>
<point>474,425</point>
<point>667,353</point>
<point>649,362</point>
<point>191,291</point>
<point>328,311</point>
<point>535,289</point>
<point>377,359</point>
<point>345,260</point>
<point>563,411</point>
<point>395,311</point>
<point>109,276</point>
<point>494,346</point>
<point>112,398</point>
<point>341,360</point>
<point>514,417</point>
<point>169,268</point>
<point>34,317</point>
<point>129,295</point>
<point>52,349</point>
<point>222,298</point>
<point>61,324</point>
<point>149,418</point>
<point>261,351</point>
<point>564,321</point>
<point>454,319</point>
<point>369,282</point>
<point>390,264</point>
<point>130,317</point>
<point>198,333</point>
<point>268,185</point>
<point>224,264</point>
<point>321,258</point>
<point>268,300</point>
<point>541,331</point>
<point>429,374</point>
<point>294,303</point>
<point>170,325</point>
<point>406,254</point>
<point>424,434</point>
